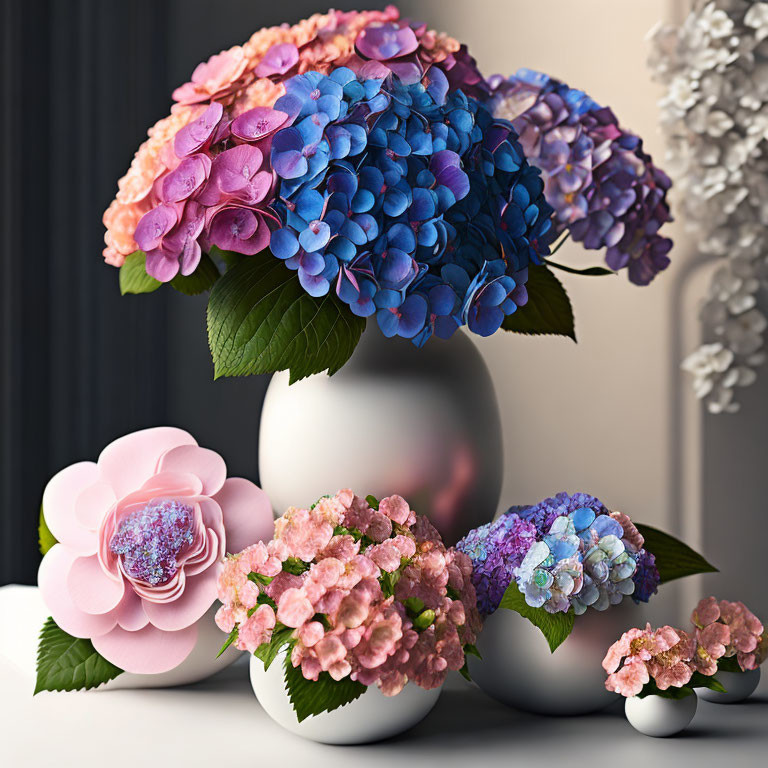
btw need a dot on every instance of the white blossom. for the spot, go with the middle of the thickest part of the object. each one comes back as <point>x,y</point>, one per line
<point>715,114</point>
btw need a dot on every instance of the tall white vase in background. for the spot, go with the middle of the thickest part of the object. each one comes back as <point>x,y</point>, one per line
<point>422,423</point>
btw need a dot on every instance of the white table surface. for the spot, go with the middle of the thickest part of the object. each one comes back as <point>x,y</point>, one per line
<point>219,722</point>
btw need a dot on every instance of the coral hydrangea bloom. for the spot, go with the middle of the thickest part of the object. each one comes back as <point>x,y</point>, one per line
<point>371,594</point>
<point>142,535</point>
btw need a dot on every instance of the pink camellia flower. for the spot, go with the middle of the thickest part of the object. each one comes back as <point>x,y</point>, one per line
<point>142,535</point>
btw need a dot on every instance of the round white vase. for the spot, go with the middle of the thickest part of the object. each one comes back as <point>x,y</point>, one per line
<point>518,668</point>
<point>658,716</point>
<point>371,717</point>
<point>422,423</point>
<point>738,686</point>
<point>200,663</point>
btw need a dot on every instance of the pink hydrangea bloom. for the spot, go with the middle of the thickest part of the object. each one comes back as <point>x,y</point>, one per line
<point>340,561</point>
<point>662,654</point>
<point>725,629</point>
<point>142,535</point>
<point>179,197</point>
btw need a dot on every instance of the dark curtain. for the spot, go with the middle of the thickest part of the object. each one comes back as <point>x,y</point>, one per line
<point>82,80</point>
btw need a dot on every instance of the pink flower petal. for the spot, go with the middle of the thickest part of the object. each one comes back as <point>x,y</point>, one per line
<point>169,484</point>
<point>131,460</point>
<point>59,500</point>
<point>204,463</point>
<point>91,588</point>
<point>52,580</point>
<point>93,504</point>
<point>247,513</point>
<point>130,613</point>
<point>199,595</point>
<point>148,651</point>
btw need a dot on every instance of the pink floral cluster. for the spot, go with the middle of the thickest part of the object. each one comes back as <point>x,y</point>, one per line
<point>180,197</point>
<point>725,630</point>
<point>370,593</point>
<point>671,657</point>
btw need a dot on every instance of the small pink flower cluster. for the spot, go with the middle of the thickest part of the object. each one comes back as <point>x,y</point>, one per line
<point>370,593</point>
<point>725,630</point>
<point>174,180</point>
<point>671,657</point>
<point>663,654</point>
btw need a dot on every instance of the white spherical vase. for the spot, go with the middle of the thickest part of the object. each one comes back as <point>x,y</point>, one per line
<point>518,668</point>
<point>659,716</point>
<point>738,687</point>
<point>371,717</point>
<point>420,422</point>
<point>200,664</point>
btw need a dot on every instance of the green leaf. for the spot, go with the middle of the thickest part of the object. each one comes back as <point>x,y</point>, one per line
<point>548,310</point>
<point>44,536</point>
<point>226,258</point>
<point>267,652</point>
<point>674,559</point>
<point>66,663</point>
<point>471,650</point>
<point>310,697</point>
<point>260,320</point>
<point>555,626</point>
<point>706,681</point>
<point>372,501</point>
<point>587,272</point>
<point>134,277</point>
<point>651,689</point>
<point>200,281</point>
<point>295,566</point>
<point>231,639</point>
<point>729,664</point>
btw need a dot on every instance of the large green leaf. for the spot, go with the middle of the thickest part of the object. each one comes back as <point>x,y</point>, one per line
<point>310,697</point>
<point>674,559</point>
<point>134,277</point>
<point>548,310</point>
<point>45,538</point>
<point>201,280</point>
<point>554,626</point>
<point>260,320</point>
<point>66,663</point>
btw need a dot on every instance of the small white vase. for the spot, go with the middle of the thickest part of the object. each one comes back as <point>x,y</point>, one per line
<point>659,716</point>
<point>372,717</point>
<point>738,686</point>
<point>518,668</point>
<point>200,663</point>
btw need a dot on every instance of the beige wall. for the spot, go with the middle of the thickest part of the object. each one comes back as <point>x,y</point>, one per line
<point>611,414</point>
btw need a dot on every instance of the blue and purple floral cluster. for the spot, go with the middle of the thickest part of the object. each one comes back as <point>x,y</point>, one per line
<point>604,187</point>
<point>566,552</point>
<point>411,203</point>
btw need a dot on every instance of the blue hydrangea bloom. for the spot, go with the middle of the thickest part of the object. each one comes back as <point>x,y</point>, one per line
<point>567,552</point>
<point>413,204</point>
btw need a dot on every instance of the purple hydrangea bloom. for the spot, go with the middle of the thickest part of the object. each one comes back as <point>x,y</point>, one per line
<point>646,577</point>
<point>604,187</point>
<point>496,550</point>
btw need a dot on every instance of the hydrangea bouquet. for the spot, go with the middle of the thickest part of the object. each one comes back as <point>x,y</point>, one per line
<point>672,662</point>
<point>358,165</point>
<point>353,592</point>
<point>552,561</point>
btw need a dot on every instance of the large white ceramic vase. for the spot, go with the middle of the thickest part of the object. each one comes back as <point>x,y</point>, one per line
<point>423,423</point>
<point>518,668</point>
<point>371,717</point>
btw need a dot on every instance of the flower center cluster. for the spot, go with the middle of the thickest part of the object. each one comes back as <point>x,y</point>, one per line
<point>149,540</point>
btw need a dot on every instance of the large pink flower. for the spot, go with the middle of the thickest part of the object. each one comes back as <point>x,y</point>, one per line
<point>142,535</point>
